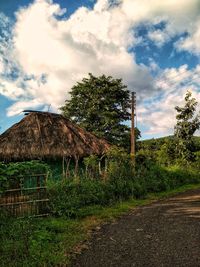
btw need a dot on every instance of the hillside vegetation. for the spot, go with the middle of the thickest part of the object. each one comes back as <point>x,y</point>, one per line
<point>155,144</point>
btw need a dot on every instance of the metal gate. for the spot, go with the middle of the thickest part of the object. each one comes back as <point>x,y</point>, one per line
<point>28,198</point>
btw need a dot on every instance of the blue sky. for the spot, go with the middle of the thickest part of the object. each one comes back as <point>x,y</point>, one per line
<point>47,46</point>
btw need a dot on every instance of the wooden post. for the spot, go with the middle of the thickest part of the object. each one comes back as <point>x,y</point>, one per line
<point>63,167</point>
<point>38,184</point>
<point>100,165</point>
<point>133,103</point>
<point>100,172</point>
<point>67,167</point>
<point>76,165</point>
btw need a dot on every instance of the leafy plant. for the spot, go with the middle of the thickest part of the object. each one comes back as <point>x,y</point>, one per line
<point>12,174</point>
<point>186,126</point>
<point>101,105</point>
<point>92,166</point>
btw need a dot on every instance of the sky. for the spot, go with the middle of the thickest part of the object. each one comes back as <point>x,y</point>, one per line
<point>47,46</point>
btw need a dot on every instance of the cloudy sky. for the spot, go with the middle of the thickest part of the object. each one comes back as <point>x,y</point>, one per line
<point>46,46</point>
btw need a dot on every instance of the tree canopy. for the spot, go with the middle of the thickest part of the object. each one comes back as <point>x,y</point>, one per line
<point>187,124</point>
<point>101,105</point>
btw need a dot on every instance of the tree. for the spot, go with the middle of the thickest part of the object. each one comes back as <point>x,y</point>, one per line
<point>100,105</point>
<point>166,154</point>
<point>186,126</point>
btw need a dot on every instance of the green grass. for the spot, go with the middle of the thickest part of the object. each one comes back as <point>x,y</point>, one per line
<point>50,241</point>
<point>172,192</point>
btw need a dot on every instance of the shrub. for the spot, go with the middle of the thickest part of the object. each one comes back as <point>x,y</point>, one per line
<point>66,198</point>
<point>92,166</point>
<point>119,165</point>
<point>12,173</point>
<point>70,197</point>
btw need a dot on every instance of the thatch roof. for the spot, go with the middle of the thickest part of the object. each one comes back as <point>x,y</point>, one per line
<point>44,134</point>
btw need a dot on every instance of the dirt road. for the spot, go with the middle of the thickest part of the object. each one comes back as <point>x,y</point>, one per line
<point>165,233</point>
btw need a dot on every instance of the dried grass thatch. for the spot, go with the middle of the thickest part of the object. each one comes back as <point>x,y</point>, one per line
<point>48,135</point>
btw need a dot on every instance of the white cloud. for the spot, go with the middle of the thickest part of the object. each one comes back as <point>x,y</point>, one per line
<point>179,16</point>
<point>17,108</point>
<point>1,66</point>
<point>6,56</point>
<point>192,41</point>
<point>93,40</point>
<point>160,115</point>
<point>159,37</point>
<point>67,50</point>
<point>10,89</point>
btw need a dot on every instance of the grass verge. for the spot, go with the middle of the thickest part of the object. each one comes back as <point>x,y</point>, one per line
<point>52,241</point>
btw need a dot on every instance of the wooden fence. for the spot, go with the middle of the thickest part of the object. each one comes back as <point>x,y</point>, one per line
<point>29,198</point>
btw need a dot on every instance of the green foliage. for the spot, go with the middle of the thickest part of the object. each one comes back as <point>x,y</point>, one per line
<point>166,154</point>
<point>49,241</point>
<point>196,140</point>
<point>69,197</point>
<point>186,126</point>
<point>120,180</point>
<point>44,242</point>
<point>153,144</point>
<point>163,150</point>
<point>196,163</point>
<point>100,105</point>
<point>34,242</point>
<point>144,156</point>
<point>73,199</point>
<point>92,166</point>
<point>119,165</point>
<point>66,198</point>
<point>11,174</point>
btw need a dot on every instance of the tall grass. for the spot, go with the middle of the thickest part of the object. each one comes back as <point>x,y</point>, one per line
<point>70,197</point>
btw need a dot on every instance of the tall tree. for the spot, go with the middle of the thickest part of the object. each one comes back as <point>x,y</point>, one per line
<point>187,124</point>
<point>100,105</point>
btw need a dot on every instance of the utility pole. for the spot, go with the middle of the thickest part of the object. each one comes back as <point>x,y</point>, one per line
<point>133,106</point>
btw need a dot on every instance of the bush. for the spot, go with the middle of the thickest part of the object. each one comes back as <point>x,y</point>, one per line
<point>11,174</point>
<point>122,181</point>
<point>31,242</point>
<point>92,166</point>
<point>66,198</point>
<point>70,197</point>
<point>119,165</point>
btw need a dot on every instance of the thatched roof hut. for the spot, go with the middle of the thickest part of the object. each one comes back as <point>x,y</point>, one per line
<point>48,135</point>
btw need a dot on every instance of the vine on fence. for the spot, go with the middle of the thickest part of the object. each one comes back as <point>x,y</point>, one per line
<point>12,173</point>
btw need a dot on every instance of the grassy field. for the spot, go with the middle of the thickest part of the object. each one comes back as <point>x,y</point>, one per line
<point>51,241</point>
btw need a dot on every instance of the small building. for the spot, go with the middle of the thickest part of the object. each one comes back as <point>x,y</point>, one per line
<point>41,135</point>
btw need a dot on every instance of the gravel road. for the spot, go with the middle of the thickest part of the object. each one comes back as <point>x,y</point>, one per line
<point>165,233</point>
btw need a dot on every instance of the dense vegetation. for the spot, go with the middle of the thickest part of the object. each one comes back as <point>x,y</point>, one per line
<point>162,150</point>
<point>11,174</point>
<point>72,198</point>
<point>34,241</point>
